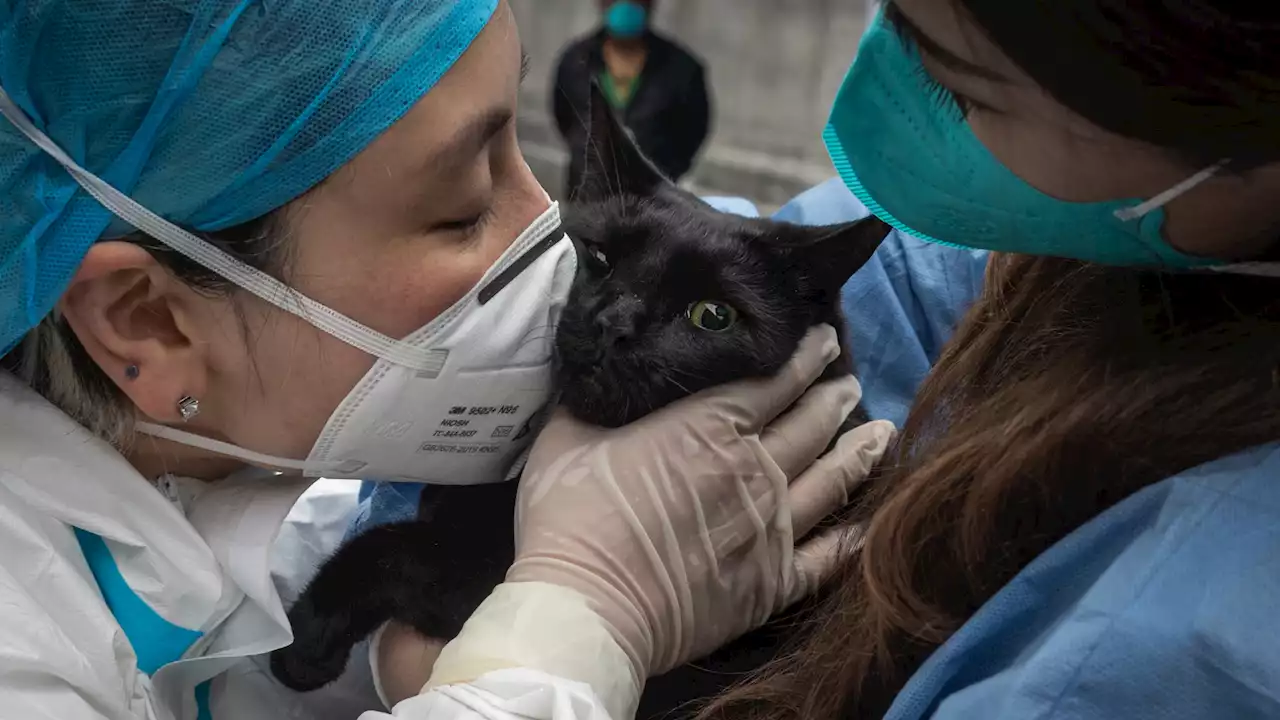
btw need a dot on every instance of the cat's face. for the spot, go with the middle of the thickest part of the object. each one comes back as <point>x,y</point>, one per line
<point>673,297</point>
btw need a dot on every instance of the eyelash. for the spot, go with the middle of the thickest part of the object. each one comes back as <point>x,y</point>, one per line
<point>942,94</point>
<point>468,227</point>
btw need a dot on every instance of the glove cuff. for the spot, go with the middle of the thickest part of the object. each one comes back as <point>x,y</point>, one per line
<point>375,645</point>
<point>543,627</point>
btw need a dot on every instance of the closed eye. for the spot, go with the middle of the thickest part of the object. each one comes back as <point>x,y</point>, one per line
<point>466,227</point>
<point>460,225</point>
<point>945,95</point>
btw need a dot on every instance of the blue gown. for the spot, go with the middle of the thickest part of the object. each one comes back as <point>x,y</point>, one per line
<point>1166,606</point>
<point>1163,607</point>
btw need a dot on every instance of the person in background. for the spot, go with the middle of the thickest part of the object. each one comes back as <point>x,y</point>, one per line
<point>658,89</point>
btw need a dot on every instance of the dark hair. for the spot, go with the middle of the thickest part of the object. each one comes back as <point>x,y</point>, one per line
<point>1200,78</point>
<point>1069,386</point>
<point>52,360</point>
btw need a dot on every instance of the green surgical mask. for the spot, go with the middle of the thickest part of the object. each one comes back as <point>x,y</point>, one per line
<point>906,151</point>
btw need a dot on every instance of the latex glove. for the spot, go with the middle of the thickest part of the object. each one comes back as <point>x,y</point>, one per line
<point>667,538</point>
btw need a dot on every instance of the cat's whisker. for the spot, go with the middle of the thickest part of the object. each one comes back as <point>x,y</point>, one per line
<point>687,373</point>
<point>546,334</point>
<point>549,339</point>
<point>667,376</point>
<point>530,341</point>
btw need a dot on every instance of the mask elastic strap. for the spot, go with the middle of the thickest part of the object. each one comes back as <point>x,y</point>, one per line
<point>1168,196</point>
<point>258,459</point>
<point>1257,269</point>
<point>211,258</point>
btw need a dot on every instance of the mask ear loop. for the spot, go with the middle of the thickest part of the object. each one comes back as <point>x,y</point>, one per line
<point>1256,269</point>
<point>1143,209</point>
<point>261,460</point>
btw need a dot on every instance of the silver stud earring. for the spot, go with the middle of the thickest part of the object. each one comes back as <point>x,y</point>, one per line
<point>188,408</point>
<point>132,372</point>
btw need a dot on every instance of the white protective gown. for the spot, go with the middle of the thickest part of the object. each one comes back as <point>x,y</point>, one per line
<point>128,601</point>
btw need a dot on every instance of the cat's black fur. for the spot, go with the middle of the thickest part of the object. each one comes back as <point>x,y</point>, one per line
<point>648,253</point>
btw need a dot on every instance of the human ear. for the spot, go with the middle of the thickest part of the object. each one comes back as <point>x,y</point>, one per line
<point>136,320</point>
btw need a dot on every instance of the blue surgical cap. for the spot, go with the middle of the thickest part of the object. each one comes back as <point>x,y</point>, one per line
<point>208,112</point>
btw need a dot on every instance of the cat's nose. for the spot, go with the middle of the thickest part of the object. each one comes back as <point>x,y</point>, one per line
<point>614,330</point>
<point>618,321</point>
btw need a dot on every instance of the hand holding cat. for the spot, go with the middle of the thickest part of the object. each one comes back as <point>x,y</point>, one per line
<point>645,547</point>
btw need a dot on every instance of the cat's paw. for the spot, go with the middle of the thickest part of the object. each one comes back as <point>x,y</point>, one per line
<point>303,671</point>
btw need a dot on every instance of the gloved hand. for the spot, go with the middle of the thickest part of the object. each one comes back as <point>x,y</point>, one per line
<point>671,536</point>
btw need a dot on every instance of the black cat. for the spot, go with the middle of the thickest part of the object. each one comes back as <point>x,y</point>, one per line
<point>671,297</point>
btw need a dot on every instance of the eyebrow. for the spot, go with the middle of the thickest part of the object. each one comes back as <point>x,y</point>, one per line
<point>468,141</point>
<point>948,59</point>
<point>477,133</point>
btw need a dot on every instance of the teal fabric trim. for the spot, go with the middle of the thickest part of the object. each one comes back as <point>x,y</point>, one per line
<point>844,168</point>
<point>202,701</point>
<point>156,641</point>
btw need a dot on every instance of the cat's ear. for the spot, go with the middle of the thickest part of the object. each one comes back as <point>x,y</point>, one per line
<point>615,166</point>
<point>833,253</point>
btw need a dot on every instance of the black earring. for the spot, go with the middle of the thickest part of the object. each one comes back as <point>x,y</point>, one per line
<point>132,372</point>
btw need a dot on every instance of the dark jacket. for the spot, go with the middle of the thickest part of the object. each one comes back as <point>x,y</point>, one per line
<point>669,112</point>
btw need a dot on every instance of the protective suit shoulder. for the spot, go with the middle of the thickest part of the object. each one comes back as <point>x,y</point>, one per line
<point>1162,607</point>
<point>55,632</point>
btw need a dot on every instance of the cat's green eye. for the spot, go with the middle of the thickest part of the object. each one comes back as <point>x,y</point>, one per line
<point>712,315</point>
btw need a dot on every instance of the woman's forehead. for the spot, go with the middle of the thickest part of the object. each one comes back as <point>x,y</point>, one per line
<point>448,127</point>
<point>945,25</point>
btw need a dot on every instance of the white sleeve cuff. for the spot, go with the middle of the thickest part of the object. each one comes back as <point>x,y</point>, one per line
<point>516,694</point>
<point>542,627</point>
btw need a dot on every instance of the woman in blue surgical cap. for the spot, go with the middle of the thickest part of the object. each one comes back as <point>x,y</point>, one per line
<point>245,244</point>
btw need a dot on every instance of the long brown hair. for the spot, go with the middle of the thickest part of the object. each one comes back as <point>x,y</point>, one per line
<point>1067,388</point>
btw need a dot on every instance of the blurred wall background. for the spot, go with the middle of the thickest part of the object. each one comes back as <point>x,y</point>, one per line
<point>773,67</point>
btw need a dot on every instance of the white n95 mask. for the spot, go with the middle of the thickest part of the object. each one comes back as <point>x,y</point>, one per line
<point>452,403</point>
<point>465,417</point>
